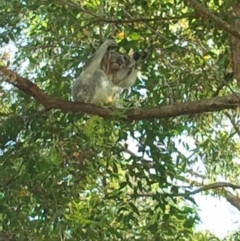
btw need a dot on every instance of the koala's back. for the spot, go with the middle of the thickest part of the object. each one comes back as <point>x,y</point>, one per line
<point>95,88</point>
<point>81,89</point>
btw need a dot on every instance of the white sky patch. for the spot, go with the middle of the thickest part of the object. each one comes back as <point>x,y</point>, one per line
<point>217,215</point>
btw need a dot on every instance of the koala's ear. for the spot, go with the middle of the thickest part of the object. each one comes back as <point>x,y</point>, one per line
<point>140,56</point>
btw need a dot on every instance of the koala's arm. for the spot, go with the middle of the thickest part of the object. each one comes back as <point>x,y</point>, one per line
<point>130,79</point>
<point>126,77</point>
<point>95,60</point>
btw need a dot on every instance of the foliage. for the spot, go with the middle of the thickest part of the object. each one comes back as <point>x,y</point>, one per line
<point>86,178</point>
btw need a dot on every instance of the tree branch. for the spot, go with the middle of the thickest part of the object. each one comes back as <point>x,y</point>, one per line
<point>234,124</point>
<point>201,189</point>
<point>135,20</point>
<point>216,20</point>
<point>118,21</point>
<point>234,200</point>
<point>144,113</point>
<point>209,187</point>
<point>235,42</point>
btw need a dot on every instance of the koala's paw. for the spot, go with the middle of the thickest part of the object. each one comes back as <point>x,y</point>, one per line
<point>110,44</point>
<point>140,56</point>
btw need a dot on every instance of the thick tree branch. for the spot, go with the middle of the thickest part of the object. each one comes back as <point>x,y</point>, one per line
<point>234,200</point>
<point>216,20</point>
<point>145,113</point>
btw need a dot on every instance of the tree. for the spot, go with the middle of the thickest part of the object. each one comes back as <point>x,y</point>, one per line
<point>67,169</point>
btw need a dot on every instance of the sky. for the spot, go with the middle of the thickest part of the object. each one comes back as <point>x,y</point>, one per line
<point>217,215</point>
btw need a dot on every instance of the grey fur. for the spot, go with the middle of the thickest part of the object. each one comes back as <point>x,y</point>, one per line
<point>104,74</point>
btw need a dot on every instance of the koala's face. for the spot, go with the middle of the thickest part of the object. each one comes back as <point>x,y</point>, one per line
<point>113,61</point>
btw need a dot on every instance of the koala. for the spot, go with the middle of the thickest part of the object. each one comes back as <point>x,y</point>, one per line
<point>105,74</point>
